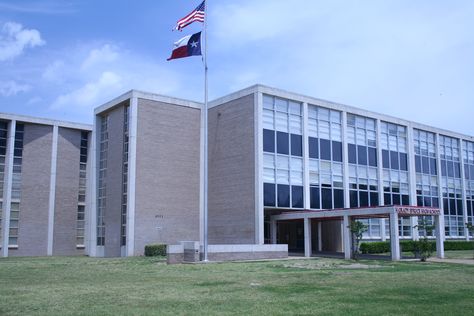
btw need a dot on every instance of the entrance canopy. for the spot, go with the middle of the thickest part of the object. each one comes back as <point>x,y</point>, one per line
<point>346,215</point>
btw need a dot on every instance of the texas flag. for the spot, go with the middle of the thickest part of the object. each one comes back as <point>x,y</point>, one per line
<point>187,46</point>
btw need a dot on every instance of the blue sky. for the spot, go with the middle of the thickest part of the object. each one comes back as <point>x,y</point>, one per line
<point>410,59</point>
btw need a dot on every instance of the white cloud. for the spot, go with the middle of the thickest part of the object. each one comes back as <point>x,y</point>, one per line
<point>91,92</point>
<point>14,39</point>
<point>55,71</point>
<point>12,88</point>
<point>105,54</point>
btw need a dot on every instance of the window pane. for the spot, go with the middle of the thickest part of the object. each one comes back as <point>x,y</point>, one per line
<point>352,152</point>
<point>314,197</point>
<point>372,157</point>
<point>282,143</point>
<point>326,198</point>
<point>297,196</point>
<point>296,145</point>
<point>337,151</point>
<point>283,195</point>
<point>325,149</point>
<point>417,163</point>
<point>363,198</point>
<point>385,159</point>
<point>338,198</point>
<point>353,198</point>
<point>374,199</point>
<point>362,155</point>
<point>269,194</point>
<point>403,162</point>
<point>268,140</point>
<point>425,165</point>
<point>394,160</point>
<point>313,147</point>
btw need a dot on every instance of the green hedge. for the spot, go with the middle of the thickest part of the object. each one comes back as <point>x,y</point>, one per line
<point>410,245</point>
<point>155,250</point>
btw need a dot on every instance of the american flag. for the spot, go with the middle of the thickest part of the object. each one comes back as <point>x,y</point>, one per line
<point>197,14</point>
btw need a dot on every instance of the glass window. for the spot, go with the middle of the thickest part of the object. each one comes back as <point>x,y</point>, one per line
<point>296,145</point>
<point>282,143</point>
<point>269,194</point>
<point>313,147</point>
<point>337,151</point>
<point>297,196</point>
<point>283,195</point>
<point>325,149</point>
<point>352,153</point>
<point>362,155</point>
<point>268,140</point>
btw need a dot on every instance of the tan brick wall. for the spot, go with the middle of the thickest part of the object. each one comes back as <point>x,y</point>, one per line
<point>167,187</point>
<point>232,172</point>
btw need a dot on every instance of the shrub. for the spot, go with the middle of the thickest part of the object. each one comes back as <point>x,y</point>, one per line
<point>155,250</point>
<point>375,247</point>
<point>412,246</point>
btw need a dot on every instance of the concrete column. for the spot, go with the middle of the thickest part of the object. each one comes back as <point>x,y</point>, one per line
<point>258,134</point>
<point>7,201</point>
<point>414,230</point>
<point>92,187</point>
<point>273,231</point>
<point>307,237</point>
<point>440,190</point>
<point>320,236</point>
<point>463,187</point>
<point>383,233</point>
<point>439,222</point>
<point>345,161</point>
<point>347,238</point>
<point>394,239</point>
<point>132,171</point>
<point>52,190</point>
<point>411,166</point>
<point>379,163</point>
<point>306,189</point>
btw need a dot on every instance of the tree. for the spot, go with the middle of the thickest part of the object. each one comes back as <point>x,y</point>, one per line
<point>357,229</point>
<point>423,247</point>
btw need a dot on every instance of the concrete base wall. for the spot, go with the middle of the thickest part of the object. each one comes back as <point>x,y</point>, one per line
<point>332,236</point>
<point>179,254</point>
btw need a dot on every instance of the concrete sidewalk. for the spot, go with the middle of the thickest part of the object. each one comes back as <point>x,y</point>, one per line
<point>460,261</point>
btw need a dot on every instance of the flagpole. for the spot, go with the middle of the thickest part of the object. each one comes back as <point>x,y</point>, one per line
<point>205,215</point>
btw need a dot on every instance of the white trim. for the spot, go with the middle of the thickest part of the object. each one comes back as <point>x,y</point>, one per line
<point>440,190</point>
<point>94,174</point>
<point>258,134</point>
<point>44,121</point>
<point>463,187</point>
<point>52,190</point>
<point>8,187</point>
<point>146,96</point>
<point>412,180</point>
<point>306,183</point>
<point>345,161</point>
<point>132,176</point>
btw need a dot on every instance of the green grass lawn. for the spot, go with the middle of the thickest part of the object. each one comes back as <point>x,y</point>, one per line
<point>145,286</point>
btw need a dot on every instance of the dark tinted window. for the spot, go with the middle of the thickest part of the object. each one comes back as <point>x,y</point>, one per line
<point>313,147</point>
<point>405,200</point>
<point>417,163</point>
<point>466,171</point>
<point>396,199</point>
<point>352,153</point>
<point>387,197</point>
<point>457,170</point>
<point>338,198</point>
<point>296,145</point>
<point>427,201</point>
<point>372,157</point>
<point>362,155</point>
<point>425,165</point>
<point>374,199</point>
<point>435,202</point>
<point>337,151</point>
<point>269,194</point>
<point>385,159</point>
<point>325,149</point>
<point>268,141</point>
<point>283,195</point>
<point>314,197</point>
<point>403,162</point>
<point>353,198</point>
<point>459,206</point>
<point>394,160</point>
<point>363,198</point>
<point>297,196</point>
<point>450,169</point>
<point>282,143</point>
<point>433,167</point>
<point>326,198</point>
<point>471,172</point>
